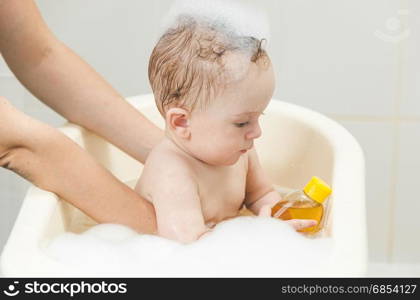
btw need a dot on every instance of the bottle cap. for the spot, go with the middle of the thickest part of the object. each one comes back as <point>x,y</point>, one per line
<point>317,189</point>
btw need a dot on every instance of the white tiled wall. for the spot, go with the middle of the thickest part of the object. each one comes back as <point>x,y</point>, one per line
<point>405,243</point>
<point>335,56</point>
<point>377,140</point>
<point>393,163</point>
<point>410,100</point>
<point>327,57</point>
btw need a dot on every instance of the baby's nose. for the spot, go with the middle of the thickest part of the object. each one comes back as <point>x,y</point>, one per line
<point>254,134</point>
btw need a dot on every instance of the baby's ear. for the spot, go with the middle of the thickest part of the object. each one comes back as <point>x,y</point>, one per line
<point>178,121</point>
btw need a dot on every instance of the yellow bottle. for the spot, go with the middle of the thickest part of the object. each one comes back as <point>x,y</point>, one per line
<point>306,204</point>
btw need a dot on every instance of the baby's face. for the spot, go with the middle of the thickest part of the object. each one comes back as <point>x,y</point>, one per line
<point>227,128</point>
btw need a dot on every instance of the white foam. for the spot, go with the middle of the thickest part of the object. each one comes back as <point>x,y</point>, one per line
<point>244,247</point>
<point>234,17</point>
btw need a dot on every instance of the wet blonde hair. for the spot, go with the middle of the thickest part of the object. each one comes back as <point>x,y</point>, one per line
<point>190,63</point>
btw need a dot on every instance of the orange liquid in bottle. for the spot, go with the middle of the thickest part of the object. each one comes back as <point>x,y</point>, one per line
<point>304,204</point>
<point>301,210</point>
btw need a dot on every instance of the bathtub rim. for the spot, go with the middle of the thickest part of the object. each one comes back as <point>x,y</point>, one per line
<point>345,238</point>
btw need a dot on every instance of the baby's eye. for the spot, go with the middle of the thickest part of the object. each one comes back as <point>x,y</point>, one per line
<point>241,124</point>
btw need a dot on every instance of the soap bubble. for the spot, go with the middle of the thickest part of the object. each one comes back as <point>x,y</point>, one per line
<point>229,17</point>
<point>244,247</point>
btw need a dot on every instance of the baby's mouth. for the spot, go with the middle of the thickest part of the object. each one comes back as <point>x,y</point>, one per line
<point>245,150</point>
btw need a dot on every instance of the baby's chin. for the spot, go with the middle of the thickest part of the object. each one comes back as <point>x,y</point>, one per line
<point>222,161</point>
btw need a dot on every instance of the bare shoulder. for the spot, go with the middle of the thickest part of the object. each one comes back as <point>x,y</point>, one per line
<point>164,168</point>
<point>163,158</point>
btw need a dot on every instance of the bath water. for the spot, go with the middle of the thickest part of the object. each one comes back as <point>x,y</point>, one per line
<point>240,247</point>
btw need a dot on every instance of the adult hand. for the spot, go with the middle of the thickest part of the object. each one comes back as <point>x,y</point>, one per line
<point>53,162</point>
<point>63,81</point>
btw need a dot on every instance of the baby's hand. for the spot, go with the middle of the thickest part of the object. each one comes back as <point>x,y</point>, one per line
<point>297,224</point>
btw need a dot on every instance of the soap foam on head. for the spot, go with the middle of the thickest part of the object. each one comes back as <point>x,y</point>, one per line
<point>204,46</point>
<point>240,247</point>
<point>230,17</point>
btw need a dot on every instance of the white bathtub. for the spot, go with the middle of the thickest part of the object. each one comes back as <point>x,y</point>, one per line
<point>296,144</point>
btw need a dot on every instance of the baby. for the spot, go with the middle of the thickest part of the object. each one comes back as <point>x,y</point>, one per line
<point>211,87</point>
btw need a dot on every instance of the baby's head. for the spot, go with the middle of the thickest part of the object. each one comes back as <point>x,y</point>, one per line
<point>211,86</point>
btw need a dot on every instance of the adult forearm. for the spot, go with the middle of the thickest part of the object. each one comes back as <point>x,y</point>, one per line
<point>73,89</point>
<point>53,162</point>
<point>63,81</point>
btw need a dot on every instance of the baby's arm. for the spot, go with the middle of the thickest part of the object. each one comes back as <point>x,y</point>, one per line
<point>261,196</point>
<point>260,192</point>
<point>175,197</point>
